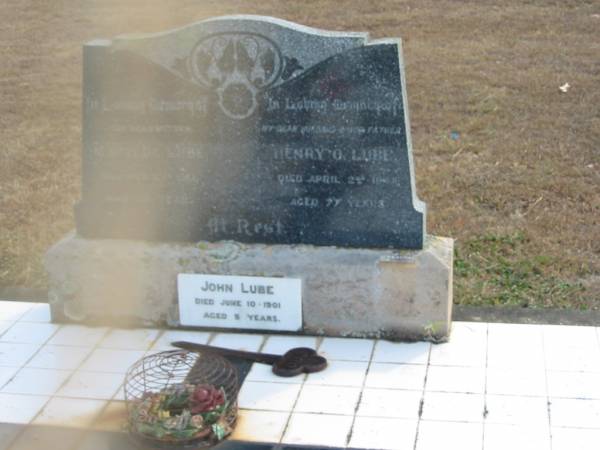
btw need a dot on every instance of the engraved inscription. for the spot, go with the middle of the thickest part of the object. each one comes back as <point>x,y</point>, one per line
<point>233,136</point>
<point>248,302</point>
<point>327,106</point>
<point>193,107</point>
<point>244,227</point>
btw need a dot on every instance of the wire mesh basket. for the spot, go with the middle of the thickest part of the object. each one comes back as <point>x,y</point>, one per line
<point>181,399</point>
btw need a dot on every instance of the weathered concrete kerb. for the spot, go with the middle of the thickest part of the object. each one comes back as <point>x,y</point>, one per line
<point>392,294</point>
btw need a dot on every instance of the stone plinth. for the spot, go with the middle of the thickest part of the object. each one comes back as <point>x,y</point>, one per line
<point>394,294</point>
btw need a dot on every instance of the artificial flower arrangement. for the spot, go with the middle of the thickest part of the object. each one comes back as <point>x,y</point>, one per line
<point>183,413</point>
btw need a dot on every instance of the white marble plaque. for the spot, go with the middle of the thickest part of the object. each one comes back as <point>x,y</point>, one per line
<point>224,301</point>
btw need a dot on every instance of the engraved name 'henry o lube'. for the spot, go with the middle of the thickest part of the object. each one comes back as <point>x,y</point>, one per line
<point>317,154</point>
<point>238,66</point>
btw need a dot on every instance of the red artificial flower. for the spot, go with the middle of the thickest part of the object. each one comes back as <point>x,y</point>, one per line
<point>205,398</point>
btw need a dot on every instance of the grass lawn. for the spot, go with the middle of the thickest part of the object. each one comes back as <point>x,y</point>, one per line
<point>508,164</point>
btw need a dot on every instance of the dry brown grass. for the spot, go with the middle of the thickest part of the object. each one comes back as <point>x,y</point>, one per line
<point>519,188</point>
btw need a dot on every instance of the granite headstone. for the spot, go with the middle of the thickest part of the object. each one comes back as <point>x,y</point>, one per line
<point>249,129</point>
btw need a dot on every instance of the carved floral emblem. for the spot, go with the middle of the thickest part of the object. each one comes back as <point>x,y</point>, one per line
<point>237,66</point>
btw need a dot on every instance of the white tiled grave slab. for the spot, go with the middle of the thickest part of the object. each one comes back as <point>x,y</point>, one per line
<point>36,381</point>
<point>59,357</point>
<point>111,361</point>
<point>13,311</point>
<point>78,336</point>
<point>383,433</point>
<point>493,386</point>
<point>436,435</point>
<point>38,313</point>
<point>139,339</point>
<point>77,412</point>
<point>15,354</point>
<point>29,333</point>
<point>346,349</point>
<point>166,337</point>
<point>92,385</point>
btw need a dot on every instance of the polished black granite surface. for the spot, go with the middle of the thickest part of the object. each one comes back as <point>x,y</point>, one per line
<point>250,130</point>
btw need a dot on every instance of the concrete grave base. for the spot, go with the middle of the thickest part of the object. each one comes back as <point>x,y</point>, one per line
<point>400,295</point>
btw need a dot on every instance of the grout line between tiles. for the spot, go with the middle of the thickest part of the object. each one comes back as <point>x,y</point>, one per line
<point>289,419</point>
<point>377,388</point>
<point>111,329</point>
<point>78,368</point>
<point>27,361</point>
<point>26,395</point>
<point>95,347</point>
<point>485,384</point>
<point>291,412</point>
<point>362,389</point>
<point>422,402</point>
<point>598,336</point>
<point>571,427</point>
<point>393,363</point>
<point>2,385</point>
<point>574,371</point>
<point>159,335</point>
<point>262,345</point>
<point>26,425</point>
<point>50,397</point>
<point>319,342</point>
<point>211,337</point>
<point>155,340</point>
<point>548,403</point>
<point>454,421</point>
<point>9,327</point>
<point>54,395</point>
